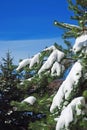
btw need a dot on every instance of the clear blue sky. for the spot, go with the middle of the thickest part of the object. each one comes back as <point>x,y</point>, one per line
<point>26,26</point>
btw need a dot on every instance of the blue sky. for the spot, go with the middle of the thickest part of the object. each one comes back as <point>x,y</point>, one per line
<point>26,26</point>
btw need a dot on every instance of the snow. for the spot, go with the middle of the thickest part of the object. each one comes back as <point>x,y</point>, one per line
<point>56,55</point>
<point>23,63</point>
<point>66,25</point>
<point>55,22</point>
<point>57,69</point>
<point>67,86</point>
<point>31,100</point>
<point>34,60</point>
<point>60,55</point>
<point>80,42</point>
<point>67,115</point>
<point>30,61</point>
<point>29,79</point>
<point>50,48</point>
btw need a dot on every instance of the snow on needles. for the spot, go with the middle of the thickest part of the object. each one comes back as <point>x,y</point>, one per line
<point>34,60</point>
<point>51,48</point>
<point>56,69</point>
<point>51,62</point>
<point>31,100</point>
<point>80,42</point>
<point>56,55</point>
<point>67,86</point>
<point>67,115</point>
<point>30,61</point>
<point>23,63</point>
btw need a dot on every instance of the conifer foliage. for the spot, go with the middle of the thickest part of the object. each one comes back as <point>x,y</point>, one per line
<point>69,105</point>
<point>70,100</point>
<point>8,92</point>
<point>39,106</point>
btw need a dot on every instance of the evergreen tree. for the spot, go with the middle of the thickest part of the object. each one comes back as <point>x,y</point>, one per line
<point>9,78</point>
<point>8,92</point>
<point>42,68</point>
<point>71,98</point>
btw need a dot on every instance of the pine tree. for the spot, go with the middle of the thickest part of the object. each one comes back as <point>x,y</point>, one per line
<point>8,75</point>
<point>42,68</point>
<point>15,117</point>
<point>8,92</point>
<point>71,98</point>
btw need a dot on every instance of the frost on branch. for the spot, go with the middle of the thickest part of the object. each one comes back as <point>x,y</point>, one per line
<point>67,86</point>
<point>70,113</point>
